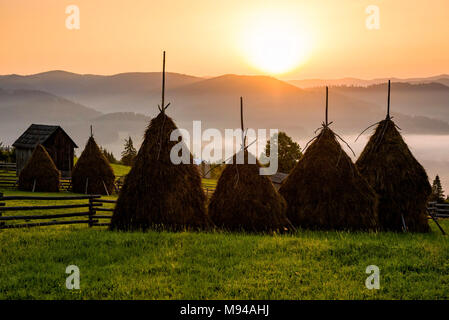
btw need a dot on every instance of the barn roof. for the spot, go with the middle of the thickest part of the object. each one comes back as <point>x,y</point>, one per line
<point>38,134</point>
<point>278,177</point>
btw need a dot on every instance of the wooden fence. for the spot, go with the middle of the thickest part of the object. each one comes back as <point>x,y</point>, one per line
<point>437,211</point>
<point>90,205</point>
<point>8,178</point>
<point>93,210</point>
<point>208,187</point>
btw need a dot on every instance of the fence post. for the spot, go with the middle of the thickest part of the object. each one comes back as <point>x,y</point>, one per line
<point>91,212</point>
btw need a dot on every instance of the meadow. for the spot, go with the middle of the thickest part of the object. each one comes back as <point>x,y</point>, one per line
<point>220,265</point>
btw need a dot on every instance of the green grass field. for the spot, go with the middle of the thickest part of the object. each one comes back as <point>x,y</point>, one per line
<point>164,265</point>
<point>120,170</point>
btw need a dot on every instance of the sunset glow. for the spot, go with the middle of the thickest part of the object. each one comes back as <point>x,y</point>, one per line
<point>287,38</point>
<point>275,43</point>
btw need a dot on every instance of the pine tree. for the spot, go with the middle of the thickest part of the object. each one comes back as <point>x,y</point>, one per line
<point>129,154</point>
<point>289,151</point>
<point>108,155</point>
<point>437,190</point>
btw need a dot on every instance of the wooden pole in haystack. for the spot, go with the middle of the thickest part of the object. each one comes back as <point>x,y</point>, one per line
<point>327,105</point>
<point>388,103</point>
<point>241,124</point>
<point>163,84</point>
<point>162,107</point>
<point>91,131</point>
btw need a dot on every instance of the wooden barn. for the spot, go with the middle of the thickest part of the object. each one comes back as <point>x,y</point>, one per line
<point>55,140</point>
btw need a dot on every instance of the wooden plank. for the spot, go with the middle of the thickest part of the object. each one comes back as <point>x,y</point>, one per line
<point>97,216</point>
<point>104,201</point>
<point>66,206</point>
<point>41,224</point>
<point>48,216</point>
<point>104,209</point>
<point>50,198</point>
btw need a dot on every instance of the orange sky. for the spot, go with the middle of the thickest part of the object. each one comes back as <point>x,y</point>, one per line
<point>207,37</point>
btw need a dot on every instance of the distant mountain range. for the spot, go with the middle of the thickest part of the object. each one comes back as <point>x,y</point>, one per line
<point>310,83</point>
<point>104,93</point>
<point>122,104</point>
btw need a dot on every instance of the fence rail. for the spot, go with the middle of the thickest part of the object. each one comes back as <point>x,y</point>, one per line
<point>439,210</point>
<point>6,166</point>
<point>94,210</point>
<point>208,187</point>
<point>93,204</point>
<point>8,179</point>
<point>436,211</point>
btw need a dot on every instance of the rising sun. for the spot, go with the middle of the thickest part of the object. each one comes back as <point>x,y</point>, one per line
<point>275,43</point>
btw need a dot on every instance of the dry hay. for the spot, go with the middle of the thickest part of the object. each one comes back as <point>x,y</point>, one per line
<point>398,178</point>
<point>92,170</point>
<point>246,200</point>
<point>40,173</point>
<point>157,193</point>
<point>326,191</point>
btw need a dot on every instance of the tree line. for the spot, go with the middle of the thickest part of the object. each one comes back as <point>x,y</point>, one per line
<point>7,153</point>
<point>128,155</point>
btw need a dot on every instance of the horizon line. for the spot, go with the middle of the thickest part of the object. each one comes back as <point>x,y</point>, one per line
<point>443,74</point>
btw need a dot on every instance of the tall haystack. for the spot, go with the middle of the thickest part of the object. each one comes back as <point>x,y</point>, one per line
<point>92,173</point>
<point>246,200</point>
<point>397,177</point>
<point>157,193</point>
<point>40,173</point>
<point>326,191</point>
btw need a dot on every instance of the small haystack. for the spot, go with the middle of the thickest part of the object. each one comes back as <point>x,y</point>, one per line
<point>325,189</point>
<point>246,200</point>
<point>92,173</point>
<point>157,193</point>
<point>40,173</point>
<point>397,177</point>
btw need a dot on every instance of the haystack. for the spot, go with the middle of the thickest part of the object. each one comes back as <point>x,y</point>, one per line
<point>40,173</point>
<point>398,178</point>
<point>325,190</point>
<point>246,200</point>
<point>157,193</point>
<point>92,173</point>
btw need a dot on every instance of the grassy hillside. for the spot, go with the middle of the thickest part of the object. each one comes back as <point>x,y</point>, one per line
<point>120,170</point>
<point>152,265</point>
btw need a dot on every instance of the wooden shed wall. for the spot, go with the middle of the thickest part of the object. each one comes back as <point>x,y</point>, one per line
<point>22,157</point>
